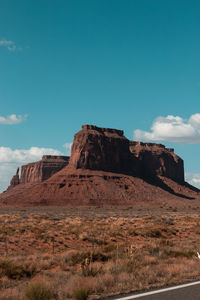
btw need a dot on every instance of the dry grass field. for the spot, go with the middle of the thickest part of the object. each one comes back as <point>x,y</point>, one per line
<point>92,252</point>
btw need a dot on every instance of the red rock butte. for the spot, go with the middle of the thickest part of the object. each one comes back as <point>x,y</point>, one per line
<point>105,168</point>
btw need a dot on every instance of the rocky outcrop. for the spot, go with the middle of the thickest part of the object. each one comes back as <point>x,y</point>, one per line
<point>103,149</point>
<point>157,160</point>
<point>39,171</point>
<point>109,150</point>
<point>43,169</point>
<point>15,180</point>
<point>105,168</point>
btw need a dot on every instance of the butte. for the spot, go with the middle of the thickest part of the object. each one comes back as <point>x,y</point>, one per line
<point>104,169</point>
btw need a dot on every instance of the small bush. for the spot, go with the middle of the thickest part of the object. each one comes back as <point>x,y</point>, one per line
<point>37,291</point>
<point>15,270</point>
<point>98,256</point>
<point>109,248</point>
<point>154,233</point>
<point>80,257</point>
<point>188,254</point>
<point>89,270</point>
<point>130,266</point>
<point>80,293</point>
<point>155,251</point>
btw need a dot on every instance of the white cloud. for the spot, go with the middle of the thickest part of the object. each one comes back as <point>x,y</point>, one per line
<point>172,129</point>
<point>6,43</point>
<point>10,45</point>
<point>193,179</point>
<point>12,119</point>
<point>7,155</point>
<point>68,147</point>
<point>10,160</point>
<point>12,48</point>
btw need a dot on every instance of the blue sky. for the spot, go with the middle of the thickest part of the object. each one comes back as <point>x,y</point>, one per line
<point>113,63</point>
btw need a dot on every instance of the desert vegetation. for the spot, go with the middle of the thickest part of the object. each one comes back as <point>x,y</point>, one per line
<point>90,253</point>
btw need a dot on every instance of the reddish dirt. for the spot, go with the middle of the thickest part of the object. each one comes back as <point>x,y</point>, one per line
<point>87,187</point>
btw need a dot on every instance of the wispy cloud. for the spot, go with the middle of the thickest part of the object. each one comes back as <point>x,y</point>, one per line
<point>193,179</point>
<point>173,129</point>
<point>13,119</point>
<point>6,43</point>
<point>68,147</point>
<point>10,45</point>
<point>11,159</point>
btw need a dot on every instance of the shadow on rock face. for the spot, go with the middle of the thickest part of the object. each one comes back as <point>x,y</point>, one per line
<point>158,182</point>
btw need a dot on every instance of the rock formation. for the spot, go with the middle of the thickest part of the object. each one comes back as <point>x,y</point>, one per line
<point>103,149</point>
<point>109,150</point>
<point>105,168</point>
<point>15,180</point>
<point>43,169</point>
<point>156,159</point>
<point>40,171</point>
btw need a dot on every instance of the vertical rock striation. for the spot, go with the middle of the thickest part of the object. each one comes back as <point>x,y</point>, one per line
<point>103,149</point>
<point>40,170</point>
<point>15,180</point>
<point>43,169</point>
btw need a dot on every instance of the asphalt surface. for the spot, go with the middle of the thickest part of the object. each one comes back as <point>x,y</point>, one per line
<point>182,293</point>
<point>187,293</point>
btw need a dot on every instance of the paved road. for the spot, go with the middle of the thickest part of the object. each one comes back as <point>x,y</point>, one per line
<point>190,291</point>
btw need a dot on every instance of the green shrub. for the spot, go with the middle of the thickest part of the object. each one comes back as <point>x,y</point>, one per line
<point>80,293</point>
<point>37,291</point>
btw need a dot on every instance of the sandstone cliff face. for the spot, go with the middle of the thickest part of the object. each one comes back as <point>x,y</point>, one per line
<point>43,169</point>
<point>39,171</point>
<point>156,159</point>
<point>15,180</point>
<point>103,149</point>
<point>109,150</point>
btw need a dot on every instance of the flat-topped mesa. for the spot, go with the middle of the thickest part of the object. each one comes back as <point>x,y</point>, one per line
<point>103,149</point>
<point>148,173</point>
<point>156,159</point>
<point>40,170</point>
<point>108,149</point>
<point>43,169</point>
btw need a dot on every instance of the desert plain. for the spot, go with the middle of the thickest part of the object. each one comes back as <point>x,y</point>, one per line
<point>95,252</point>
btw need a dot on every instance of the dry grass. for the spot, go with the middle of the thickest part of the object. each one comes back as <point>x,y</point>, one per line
<point>79,257</point>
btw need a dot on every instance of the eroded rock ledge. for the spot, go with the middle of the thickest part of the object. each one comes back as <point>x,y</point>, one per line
<point>41,170</point>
